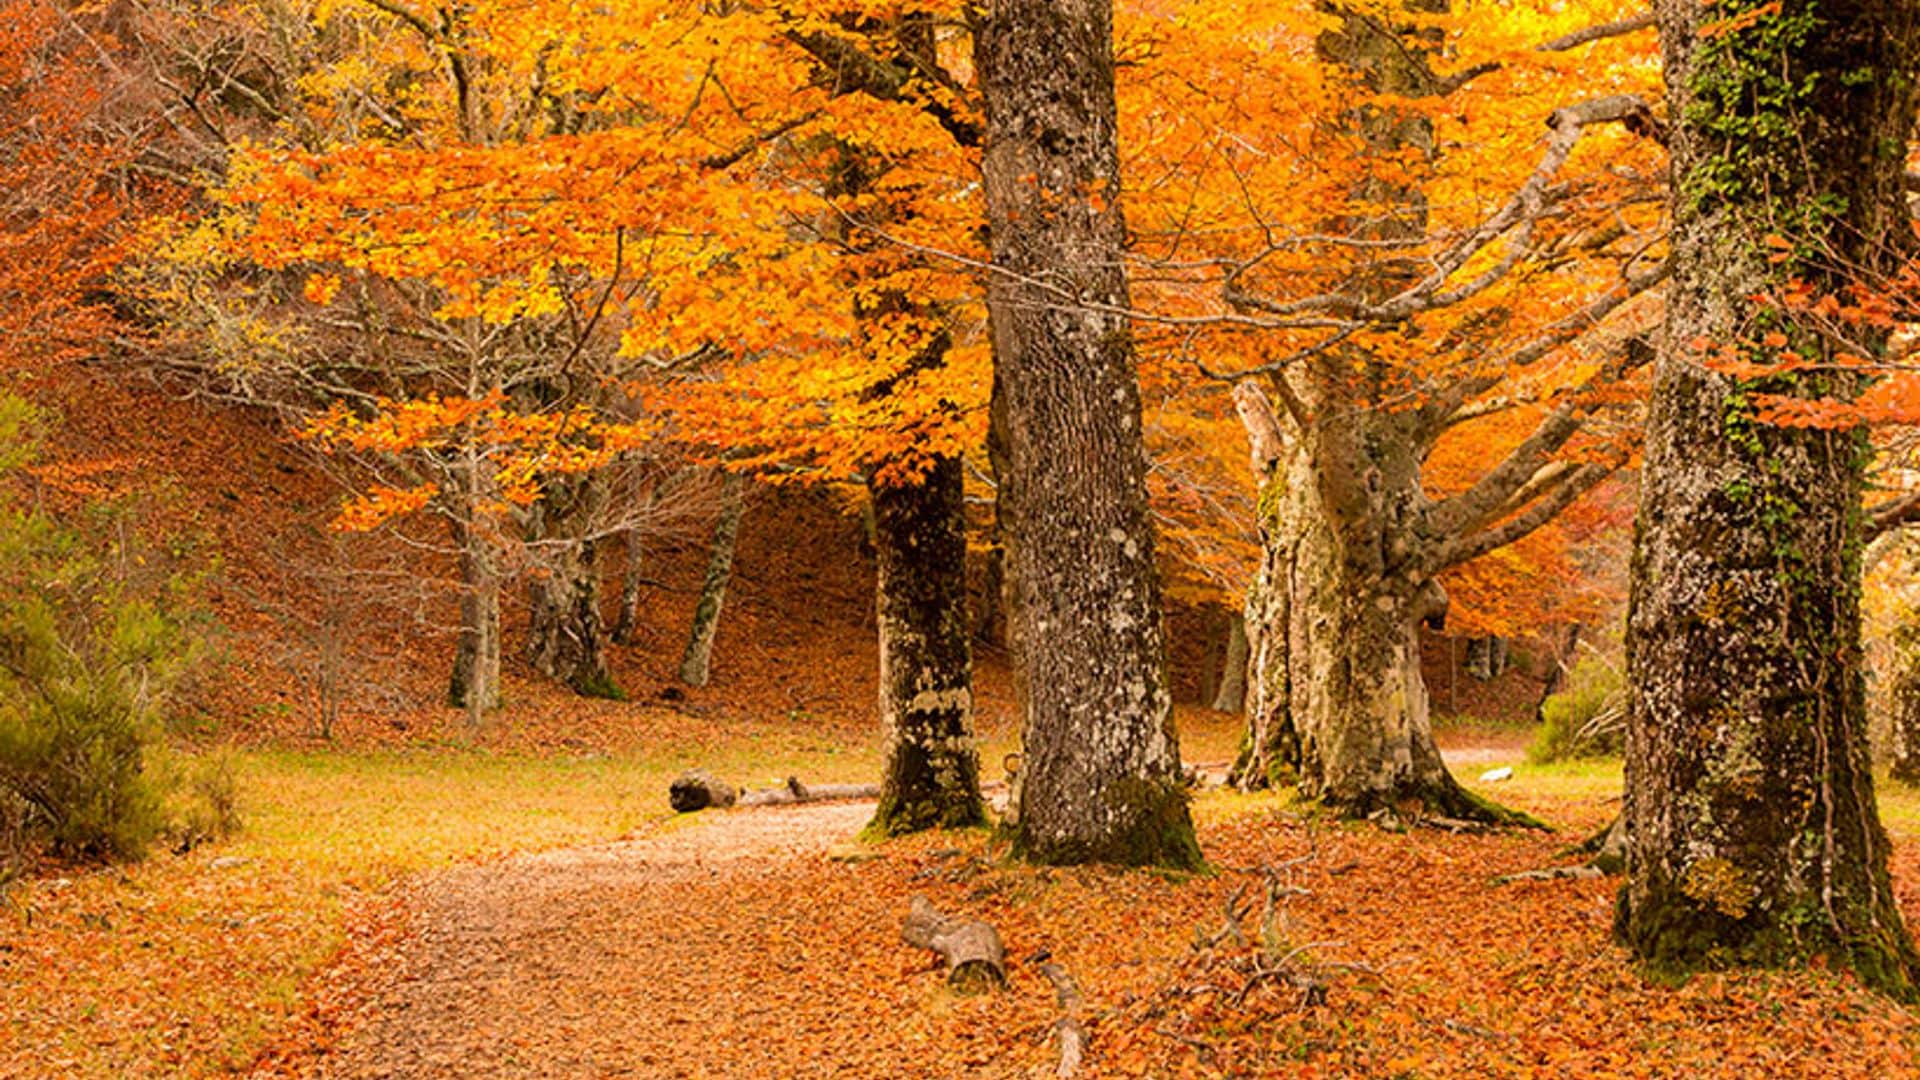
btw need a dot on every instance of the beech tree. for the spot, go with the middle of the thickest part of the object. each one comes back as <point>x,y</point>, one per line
<point>1099,778</point>
<point>1753,835</point>
<point>1382,288</point>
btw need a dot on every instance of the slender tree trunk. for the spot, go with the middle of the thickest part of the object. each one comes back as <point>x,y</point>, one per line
<point>1753,835</point>
<point>932,777</point>
<point>697,663</point>
<point>626,623</point>
<point>475,683</point>
<point>1100,775</point>
<point>1232,694</point>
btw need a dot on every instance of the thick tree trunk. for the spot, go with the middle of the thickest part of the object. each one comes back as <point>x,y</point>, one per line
<point>565,641</point>
<point>696,665</point>
<point>932,769</point>
<point>1752,830</point>
<point>1338,701</point>
<point>1100,779</point>
<point>1232,694</point>
<point>565,637</point>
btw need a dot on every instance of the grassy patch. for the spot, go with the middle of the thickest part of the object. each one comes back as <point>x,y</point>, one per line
<point>182,965</point>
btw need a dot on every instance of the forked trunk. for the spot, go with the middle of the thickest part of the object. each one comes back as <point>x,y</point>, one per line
<point>932,768</point>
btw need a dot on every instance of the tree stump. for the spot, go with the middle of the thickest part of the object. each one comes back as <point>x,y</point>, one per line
<point>976,960</point>
<point>698,789</point>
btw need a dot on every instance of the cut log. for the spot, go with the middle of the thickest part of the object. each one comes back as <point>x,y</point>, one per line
<point>698,789</point>
<point>975,959</point>
<point>1070,1031</point>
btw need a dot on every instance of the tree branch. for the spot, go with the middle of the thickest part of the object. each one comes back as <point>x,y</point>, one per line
<point>1552,499</point>
<point>1496,491</point>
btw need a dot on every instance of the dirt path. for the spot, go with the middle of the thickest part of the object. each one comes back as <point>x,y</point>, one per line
<point>589,962</point>
<point>679,955</point>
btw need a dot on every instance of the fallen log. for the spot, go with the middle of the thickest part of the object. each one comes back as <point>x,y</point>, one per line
<point>1069,1030</point>
<point>975,958</point>
<point>793,791</point>
<point>698,789</point>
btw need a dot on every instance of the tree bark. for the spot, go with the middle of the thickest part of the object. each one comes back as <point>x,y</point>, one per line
<point>1753,835</point>
<point>1903,707</point>
<point>696,665</point>
<point>1339,704</point>
<point>626,623</point>
<point>1232,694</point>
<point>475,682</point>
<point>566,640</point>
<point>1100,779</point>
<point>932,768</point>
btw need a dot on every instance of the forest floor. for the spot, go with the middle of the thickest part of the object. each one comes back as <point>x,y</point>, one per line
<point>764,942</point>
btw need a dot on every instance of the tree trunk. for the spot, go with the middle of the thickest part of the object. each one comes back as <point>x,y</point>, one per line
<point>1232,694</point>
<point>1339,703</point>
<point>932,770</point>
<point>475,683</point>
<point>565,641</point>
<point>1753,835</point>
<point>1903,707</point>
<point>626,623</point>
<point>565,638</point>
<point>697,663</point>
<point>1100,779</point>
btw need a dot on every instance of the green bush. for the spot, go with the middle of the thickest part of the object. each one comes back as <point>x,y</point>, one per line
<point>1586,719</point>
<point>92,638</point>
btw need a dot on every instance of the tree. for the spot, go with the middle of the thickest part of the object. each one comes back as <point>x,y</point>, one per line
<point>1380,285</point>
<point>1100,774</point>
<point>1753,832</point>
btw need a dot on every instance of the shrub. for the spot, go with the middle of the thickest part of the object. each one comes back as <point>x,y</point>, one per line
<point>92,637</point>
<point>1586,719</point>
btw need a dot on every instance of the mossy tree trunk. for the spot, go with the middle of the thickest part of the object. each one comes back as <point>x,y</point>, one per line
<point>1752,830</point>
<point>1100,775</point>
<point>914,521</point>
<point>932,767</point>
<point>696,664</point>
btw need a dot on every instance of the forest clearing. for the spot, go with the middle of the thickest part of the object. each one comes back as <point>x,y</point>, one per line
<point>959,538</point>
